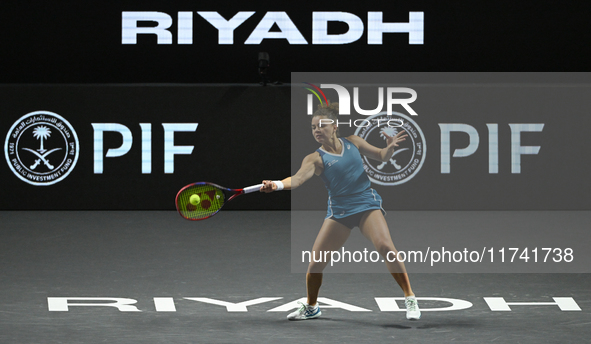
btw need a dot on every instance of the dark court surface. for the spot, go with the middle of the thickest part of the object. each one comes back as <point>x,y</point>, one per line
<point>240,260</point>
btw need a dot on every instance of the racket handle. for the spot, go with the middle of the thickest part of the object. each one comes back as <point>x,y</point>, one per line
<point>257,187</point>
<point>253,188</point>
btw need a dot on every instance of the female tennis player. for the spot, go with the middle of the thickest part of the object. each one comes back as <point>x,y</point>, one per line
<point>351,203</point>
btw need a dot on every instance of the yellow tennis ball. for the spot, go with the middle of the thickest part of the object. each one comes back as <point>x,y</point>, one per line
<point>194,199</point>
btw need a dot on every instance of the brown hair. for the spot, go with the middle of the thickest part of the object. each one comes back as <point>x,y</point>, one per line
<point>330,111</point>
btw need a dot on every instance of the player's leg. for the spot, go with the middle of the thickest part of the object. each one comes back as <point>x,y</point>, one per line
<point>331,237</point>
<point>374,227</point>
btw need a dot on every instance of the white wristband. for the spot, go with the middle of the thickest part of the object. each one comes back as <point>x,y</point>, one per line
<point>279,184</point>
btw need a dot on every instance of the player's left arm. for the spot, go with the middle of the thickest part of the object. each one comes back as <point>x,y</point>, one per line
<point>373,152</point>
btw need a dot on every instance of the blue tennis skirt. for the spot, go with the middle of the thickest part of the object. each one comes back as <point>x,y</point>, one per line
<point>342,206</point>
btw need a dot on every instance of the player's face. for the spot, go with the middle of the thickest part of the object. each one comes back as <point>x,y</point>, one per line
<point>322,128</point>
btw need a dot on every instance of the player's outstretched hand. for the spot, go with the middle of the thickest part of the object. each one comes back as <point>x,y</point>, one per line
<point>393,140</point>
<point>268,186</point>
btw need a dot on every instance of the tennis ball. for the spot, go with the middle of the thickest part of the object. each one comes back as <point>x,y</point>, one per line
<point>194,199</point>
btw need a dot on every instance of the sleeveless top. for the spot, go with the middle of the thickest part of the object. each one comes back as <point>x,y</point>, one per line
<point>349,188</point>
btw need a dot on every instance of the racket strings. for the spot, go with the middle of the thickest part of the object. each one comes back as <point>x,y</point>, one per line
<point>211,200</point>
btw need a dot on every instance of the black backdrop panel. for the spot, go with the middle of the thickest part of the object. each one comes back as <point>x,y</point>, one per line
<point>242,137</point>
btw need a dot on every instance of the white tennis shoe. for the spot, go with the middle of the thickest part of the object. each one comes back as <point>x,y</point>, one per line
<point>412,308</point>
<point>305,312</point>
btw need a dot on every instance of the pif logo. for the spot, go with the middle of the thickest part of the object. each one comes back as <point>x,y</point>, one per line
<point>41,148</point>
<point>406,161</point>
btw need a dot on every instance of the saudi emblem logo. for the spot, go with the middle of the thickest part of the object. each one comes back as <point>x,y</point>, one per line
<point>41,148</point>
<point>409,155</point>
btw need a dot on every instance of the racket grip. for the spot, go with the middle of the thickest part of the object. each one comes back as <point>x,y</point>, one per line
<point>253,188</point>
<point>257,187</point>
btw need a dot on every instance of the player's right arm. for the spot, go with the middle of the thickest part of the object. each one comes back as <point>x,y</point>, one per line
<point>312,164</point>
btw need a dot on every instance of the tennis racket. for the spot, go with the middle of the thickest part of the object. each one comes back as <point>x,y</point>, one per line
<point>209,201</point>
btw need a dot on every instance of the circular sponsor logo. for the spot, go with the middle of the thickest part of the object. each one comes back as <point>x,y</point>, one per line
<point>409,155</point>
<point>41,148</point>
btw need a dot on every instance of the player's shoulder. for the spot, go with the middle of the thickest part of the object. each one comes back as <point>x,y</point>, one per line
<point>356,140</point>
<point>314,156</point>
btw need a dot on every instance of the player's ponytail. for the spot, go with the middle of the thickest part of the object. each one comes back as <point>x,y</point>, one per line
<point>330,111</point>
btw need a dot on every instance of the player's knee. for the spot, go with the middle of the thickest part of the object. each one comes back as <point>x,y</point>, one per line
<point>316,267</point>
<point>385,247</point>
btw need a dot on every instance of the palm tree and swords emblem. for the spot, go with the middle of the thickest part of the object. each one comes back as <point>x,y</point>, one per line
<point>390,131</point>
<point>41,133</point>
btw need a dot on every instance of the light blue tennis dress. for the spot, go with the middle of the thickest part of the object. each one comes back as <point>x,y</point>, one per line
<point>349,188</point>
